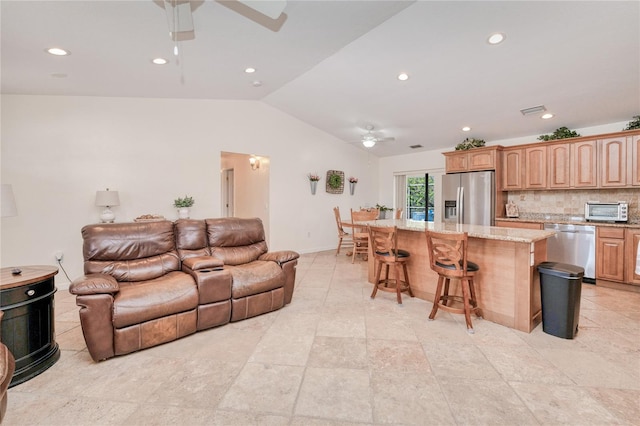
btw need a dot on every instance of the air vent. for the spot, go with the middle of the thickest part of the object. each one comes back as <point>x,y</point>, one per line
<point>533,110</point>
<point>415,146</point>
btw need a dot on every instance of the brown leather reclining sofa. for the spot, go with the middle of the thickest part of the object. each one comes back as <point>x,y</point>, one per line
<point>154,282</point>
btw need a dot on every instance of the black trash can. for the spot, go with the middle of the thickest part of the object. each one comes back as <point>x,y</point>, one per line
<point>560,289</point>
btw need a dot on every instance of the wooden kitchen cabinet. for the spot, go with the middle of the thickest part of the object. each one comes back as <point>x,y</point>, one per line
<point>584,164</point>
<point>512,169</point>
<point>472,160</point>
<point>610,251</point>
<point>559,165</point>
<point>632,245</point>
<point>613,169</point>
<point>535,167</point>
<point>634,175</point>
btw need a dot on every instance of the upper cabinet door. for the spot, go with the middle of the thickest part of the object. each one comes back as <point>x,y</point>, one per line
<point>584,164</point>
<point>613,170</point>
<point>482,160</point>
<point>559,169</point>
<point>634,178</point>
<point>535,167</point>
<point>512,169</point>
<point>457,162</point>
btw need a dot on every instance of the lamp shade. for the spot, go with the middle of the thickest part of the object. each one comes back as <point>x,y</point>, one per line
<point>107,198</point>
<point>8,206</point>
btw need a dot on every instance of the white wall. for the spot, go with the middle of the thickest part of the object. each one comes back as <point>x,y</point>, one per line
<point>57,151</point>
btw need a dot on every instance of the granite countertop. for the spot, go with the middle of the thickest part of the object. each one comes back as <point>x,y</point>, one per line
<point>564,219</point>
<point>474,231</point>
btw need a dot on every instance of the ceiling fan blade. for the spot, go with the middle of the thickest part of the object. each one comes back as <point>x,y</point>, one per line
<point>269,14</point>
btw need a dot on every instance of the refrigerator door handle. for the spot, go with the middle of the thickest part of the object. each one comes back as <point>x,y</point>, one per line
<point>460,202</point>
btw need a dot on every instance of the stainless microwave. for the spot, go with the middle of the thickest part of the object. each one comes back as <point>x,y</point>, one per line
<point>606,212</point>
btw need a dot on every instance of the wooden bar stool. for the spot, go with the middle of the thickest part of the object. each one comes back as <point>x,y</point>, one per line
<point>448,258</point>
<point>384,248</point>
<point>360,234</point>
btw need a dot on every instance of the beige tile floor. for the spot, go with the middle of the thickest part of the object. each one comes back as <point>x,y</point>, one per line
<point>336,357</point>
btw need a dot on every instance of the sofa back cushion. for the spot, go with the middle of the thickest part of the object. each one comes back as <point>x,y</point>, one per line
<point>191,238</point>
<point>130,251</point>
<point>236,241</point>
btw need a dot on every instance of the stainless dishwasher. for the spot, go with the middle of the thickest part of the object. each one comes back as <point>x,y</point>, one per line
<point>575,245</point>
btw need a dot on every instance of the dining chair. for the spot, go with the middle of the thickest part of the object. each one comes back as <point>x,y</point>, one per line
<point>399,213</point>
<point>360,234</point>
<point>345,239</point>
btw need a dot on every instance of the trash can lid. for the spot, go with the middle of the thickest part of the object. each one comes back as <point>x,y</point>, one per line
<point>563,270</point>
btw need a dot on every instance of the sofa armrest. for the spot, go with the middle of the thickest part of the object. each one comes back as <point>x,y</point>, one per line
<point>280,257</point>
<point>94,284</point>
<point>213,281</point>
<point>201,262</point>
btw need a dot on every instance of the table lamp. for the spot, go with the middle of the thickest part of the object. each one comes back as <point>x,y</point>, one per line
<point>107,199</point>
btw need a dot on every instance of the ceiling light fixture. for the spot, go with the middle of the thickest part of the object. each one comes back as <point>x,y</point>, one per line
<point>159,61</point>
<point>368,141</point>
<point>546,116</point>
<point>496,38</point>
<point>403,76</point>
<point>466,129</point>
<point>249,70</point>
<point>58,51</point>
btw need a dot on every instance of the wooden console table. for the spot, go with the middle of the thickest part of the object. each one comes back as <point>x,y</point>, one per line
<point>28,325</point>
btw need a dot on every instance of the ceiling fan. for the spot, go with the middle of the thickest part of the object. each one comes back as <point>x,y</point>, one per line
<point>370,138</point>
<point>269,14</point>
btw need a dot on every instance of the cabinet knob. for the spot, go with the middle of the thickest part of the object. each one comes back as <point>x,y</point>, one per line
<point>31,292</point>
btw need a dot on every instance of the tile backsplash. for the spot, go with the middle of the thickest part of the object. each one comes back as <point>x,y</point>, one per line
<point>571,202</point>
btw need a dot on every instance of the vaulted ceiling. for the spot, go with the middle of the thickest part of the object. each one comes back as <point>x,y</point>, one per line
<point>334,64</point>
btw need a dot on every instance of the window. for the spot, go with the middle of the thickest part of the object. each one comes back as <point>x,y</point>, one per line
<point>420,197</point>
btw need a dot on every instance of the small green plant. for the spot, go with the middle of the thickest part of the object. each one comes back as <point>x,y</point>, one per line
<point>633,124</point>
<point>559,133</point>
<point>383,208</point>
<point>183,202</point>
<point>469,143</point>
<point>335,181</point>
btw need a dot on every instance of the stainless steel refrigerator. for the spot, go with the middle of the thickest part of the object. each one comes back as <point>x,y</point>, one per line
<point>469,198</point>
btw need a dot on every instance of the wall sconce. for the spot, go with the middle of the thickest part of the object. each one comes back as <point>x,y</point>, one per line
<point>8,201</point>
<point>107,199</point>
<point>254,163</point>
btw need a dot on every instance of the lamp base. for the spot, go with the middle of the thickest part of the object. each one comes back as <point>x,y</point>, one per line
<point>107,216</point>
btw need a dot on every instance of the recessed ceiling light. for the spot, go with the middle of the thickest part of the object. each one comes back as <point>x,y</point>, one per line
<point>466,129</point>
<point>159,61</point>
<point>496,38</point>
<point>249,70</point>
<point>57,51</point>
<point>403,76</point>
<point>256,83</point>
<point>547,116</point>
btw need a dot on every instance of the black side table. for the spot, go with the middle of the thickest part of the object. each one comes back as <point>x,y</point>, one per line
<point>28,326</point>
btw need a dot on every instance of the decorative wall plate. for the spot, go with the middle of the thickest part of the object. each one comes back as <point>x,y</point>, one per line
<point>335,185</point>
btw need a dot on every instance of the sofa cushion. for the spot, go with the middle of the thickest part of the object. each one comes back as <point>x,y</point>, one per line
<point>236,241</point>
<point>191,238</point>
<point>130,251</point>
<point>138,302</point>
<point>255,277</point>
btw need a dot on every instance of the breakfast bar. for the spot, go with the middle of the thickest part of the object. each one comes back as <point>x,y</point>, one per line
<point>508,283</point>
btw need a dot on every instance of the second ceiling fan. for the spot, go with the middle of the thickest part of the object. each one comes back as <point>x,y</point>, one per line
<point>370,138</point>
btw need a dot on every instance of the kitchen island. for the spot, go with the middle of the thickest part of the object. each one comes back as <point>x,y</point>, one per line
<point>508,283</point>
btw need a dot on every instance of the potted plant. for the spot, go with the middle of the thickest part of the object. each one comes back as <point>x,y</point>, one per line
<point>183,205</point>
<point>633,124</point>
<point>559,133</point>
<point>469,143</point>
<point>383,210</point>
<point>313,181</point>
<point>352,184</point>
